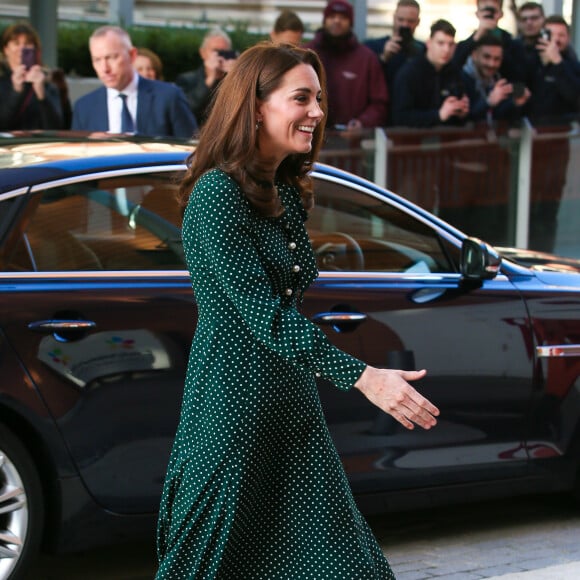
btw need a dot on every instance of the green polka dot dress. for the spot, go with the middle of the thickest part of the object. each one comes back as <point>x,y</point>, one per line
<point>255,488</point>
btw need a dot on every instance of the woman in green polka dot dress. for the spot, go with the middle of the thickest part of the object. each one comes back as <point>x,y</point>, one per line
<point>255,488</point>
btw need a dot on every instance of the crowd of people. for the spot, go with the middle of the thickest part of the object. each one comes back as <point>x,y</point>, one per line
<point>396,80</point>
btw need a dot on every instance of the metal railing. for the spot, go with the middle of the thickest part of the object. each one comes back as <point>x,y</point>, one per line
<point>509,186</point>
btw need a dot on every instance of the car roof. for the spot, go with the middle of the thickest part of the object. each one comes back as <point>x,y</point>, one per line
<point>30,158</point>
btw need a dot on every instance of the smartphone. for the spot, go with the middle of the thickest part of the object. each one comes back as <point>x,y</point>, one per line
<point>546,34</point>
<point>228,54</point>
<point>518,90</point>
<point>406,35</point>
<point>28,57</point>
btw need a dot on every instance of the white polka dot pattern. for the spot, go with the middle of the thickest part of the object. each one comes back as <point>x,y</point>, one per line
<point>255,488</point>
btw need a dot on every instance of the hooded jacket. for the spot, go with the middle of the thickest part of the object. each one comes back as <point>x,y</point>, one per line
<point>355,80</point>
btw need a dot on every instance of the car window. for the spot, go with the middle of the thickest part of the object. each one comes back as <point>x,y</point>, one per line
<point>351,230</point>
<point>122,223</point>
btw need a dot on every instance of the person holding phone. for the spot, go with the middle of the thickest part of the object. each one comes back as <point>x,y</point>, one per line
<point>29,99</point>
<point>429,90</point>
<point>554,80</point>
<point>394,51</point>
<point>500,99</point>
<point>489,13</point>
<point>554,75</point>
<point>218,56</point>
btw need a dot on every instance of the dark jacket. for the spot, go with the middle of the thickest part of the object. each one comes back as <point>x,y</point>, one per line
<point>162,111</point>
<point>392,66</point>
<point>555,90</point>
<point>197,93</point>
<point>420,91</point>
<point>356,84</point>
<point>506,110</point>
<point>23,111</point>
<point>513,55</point>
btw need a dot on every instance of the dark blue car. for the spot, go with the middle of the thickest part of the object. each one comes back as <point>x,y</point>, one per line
<point>97,316</point>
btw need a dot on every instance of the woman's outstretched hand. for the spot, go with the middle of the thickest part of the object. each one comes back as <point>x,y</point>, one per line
<point>389,390</point>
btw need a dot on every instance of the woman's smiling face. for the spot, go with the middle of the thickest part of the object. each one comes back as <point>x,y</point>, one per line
<point>288,117</point>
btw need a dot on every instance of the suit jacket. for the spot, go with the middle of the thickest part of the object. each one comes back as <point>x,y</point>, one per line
<point>162,111</point>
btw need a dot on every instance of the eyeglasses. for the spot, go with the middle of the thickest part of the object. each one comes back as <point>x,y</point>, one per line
<point>532,17</point>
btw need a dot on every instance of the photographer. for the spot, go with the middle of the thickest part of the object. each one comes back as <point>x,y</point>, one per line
<point>554,80</point>
<point>394,51</point>
<point>198,85</point>
<point>29,100</point>
<point>489,13</point>
<point>499,98</point>
<point>430,90</point>
<point>553,75</point>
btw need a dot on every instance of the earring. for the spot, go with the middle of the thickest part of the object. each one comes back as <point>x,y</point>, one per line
<point>258,124</point>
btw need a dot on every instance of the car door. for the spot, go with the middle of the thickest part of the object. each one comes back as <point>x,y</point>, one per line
<point>97,305</point>
<point>389,292</point>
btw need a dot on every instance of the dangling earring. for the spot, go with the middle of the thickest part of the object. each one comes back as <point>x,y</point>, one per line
<point>258,124</point>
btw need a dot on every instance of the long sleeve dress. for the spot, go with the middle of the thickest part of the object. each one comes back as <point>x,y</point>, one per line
<point>255,488</point>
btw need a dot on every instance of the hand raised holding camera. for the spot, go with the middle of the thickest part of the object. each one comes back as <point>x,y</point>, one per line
<point>391,47</point>
<point>500,92</point>
<point>454,107</point>
<point>488,17</point>
<point>548,50</point>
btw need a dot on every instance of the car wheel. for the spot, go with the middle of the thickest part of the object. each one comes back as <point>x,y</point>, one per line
<point>21,507</point>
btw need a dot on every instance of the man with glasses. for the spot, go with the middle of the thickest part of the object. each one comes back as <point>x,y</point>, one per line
<point>530,17</point>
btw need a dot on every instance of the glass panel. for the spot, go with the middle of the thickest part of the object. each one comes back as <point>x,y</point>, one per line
<point>350,230</point>
<point>130,223</point>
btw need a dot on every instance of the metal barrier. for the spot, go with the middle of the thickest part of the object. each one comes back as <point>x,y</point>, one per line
<point>504,185</point>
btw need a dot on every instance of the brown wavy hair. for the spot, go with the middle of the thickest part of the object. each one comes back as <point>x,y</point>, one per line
<point>228,139</point>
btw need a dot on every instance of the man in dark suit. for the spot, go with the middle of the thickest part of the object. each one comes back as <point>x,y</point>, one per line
<point>128,103</point>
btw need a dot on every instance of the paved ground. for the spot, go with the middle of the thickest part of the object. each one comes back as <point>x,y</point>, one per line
<point>486,540</point>
<point>525,539</point>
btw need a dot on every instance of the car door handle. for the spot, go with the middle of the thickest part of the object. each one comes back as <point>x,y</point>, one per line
<point>340,321</point>
<point>52,326</point>
<point>338,317</point>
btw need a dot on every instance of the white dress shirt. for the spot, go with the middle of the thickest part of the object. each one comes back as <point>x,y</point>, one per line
<point>115,104</point>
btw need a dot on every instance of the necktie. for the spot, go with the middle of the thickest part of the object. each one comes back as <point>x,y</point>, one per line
<point>127,124</point>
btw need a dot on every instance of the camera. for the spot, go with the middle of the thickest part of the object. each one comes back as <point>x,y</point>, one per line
<point>518,90</point>
<point>228,54</point>
<point>28,57</point>
<point>546,34</point>
<point>406,37</point>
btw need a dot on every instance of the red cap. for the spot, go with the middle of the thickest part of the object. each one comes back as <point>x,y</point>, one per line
<point>340,7</point>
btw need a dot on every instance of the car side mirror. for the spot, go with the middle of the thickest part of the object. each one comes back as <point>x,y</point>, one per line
<point>479,261</point>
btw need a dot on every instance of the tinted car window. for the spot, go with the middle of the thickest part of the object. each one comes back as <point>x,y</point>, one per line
<point>122,223</point>
<point>351,230</point>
